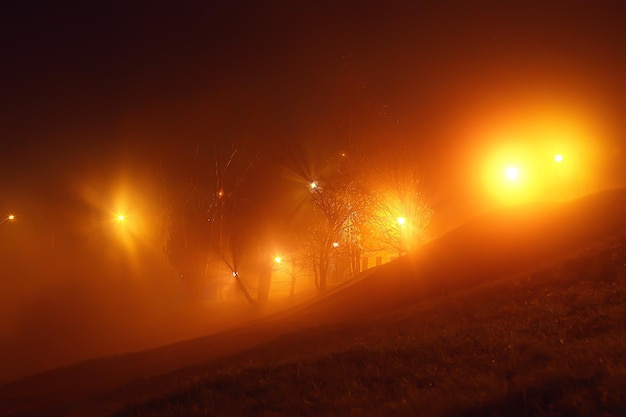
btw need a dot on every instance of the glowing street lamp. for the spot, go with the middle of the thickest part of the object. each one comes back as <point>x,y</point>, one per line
<point>9,218</point>
<point>558,158</point>
<point>278,259</point>
<point>335,244</point>
<point>512,173</point>
<point>120,218</point>
<point>313,185</point>
<point>401,221</point>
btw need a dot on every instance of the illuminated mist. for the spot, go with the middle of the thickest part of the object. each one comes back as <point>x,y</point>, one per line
<point>173,173</point>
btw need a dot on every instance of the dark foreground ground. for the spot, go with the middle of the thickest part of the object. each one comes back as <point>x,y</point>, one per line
<point>518,314</point>
<point>550,342</point>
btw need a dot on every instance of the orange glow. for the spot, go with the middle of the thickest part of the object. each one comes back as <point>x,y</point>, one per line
<point>508,174</point>
<point>313,185</point>
<point>527,160</point>
<point>11,216</point>
<point>277,259</point>
<point>127,222</point>
<point>335,244</point>
<point>555,144</point>
<point>401,221</point>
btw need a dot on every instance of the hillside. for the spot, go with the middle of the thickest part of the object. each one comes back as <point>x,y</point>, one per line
<point>549,342</point>
<point>517,310</point>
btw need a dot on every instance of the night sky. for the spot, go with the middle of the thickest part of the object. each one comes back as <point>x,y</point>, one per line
<point>95,91</point>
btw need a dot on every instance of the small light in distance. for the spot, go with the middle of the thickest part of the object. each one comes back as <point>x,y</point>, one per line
<point>335,244</point>
<point>120,218</point>
<point>8,218</point>
<point>313,185</point>
<point>235,274</point>
<point>401,221</point>
<point>558,158</point>
<point>512,173</point>
<point>278,259</point>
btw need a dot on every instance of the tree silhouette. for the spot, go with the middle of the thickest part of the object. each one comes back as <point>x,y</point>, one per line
<point>204,216</point>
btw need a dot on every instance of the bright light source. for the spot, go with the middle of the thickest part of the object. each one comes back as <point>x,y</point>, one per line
<point>335,244</point>
<point>120,218</point>
<point>401,221</point>
<point>8,218</point>
<point>235,274</point>
<point>512,173</point>
<point>558,158</point>
<point>313,185</point>
<point>277,259</point>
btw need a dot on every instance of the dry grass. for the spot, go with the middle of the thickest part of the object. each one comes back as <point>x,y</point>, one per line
<point>550,342</point>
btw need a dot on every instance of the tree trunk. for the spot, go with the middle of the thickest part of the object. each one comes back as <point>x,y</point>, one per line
<point>355,262</point>
<point>293,277</point>
<point>244,290</point>
<point>323,271</point>
<point>265,281</point>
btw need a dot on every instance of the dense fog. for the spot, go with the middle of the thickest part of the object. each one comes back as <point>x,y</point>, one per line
<point>58,307</point>
<point>220,110</point>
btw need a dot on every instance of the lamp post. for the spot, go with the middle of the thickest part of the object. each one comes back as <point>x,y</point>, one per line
<point>9,218</point>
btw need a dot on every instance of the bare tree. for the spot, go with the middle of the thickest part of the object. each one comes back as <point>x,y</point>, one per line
<point>203,214</point>
<point>341,205</point>
<point>367,204</point>
<point>402,214</point>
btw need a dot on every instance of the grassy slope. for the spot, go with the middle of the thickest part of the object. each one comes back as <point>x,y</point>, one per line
<point>535,343</point>
<point>548,342</point>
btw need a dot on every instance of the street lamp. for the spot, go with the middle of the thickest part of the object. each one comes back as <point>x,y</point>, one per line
<point>401,221</point>
<point>558,158</point>
<point>512,173</point>
<point>9,218</point>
